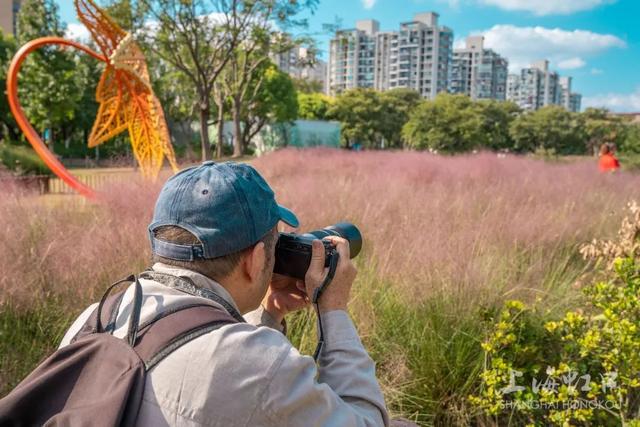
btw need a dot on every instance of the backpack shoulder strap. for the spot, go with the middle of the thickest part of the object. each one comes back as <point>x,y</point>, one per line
<point>107,310</point>
<point>155,339</point>
<point>167,332</point>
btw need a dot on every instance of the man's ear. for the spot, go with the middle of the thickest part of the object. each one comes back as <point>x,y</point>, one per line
<point>254,261</point>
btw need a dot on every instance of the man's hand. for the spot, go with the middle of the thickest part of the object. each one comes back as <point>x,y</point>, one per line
<point>285,295</point>
<point>336,295</point>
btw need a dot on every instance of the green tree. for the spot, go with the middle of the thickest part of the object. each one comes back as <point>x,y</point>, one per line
<point>199,38</point>
<point>307,86</point>
<point>601,127</point>
<point>242,82</point>
<point>631,142</point>
<point>249,62</point>
<point>176,95</point>
<point>7,123</point>
<point>276,102</point>
<point>552,129</point>
<point>194,36</point>
<point>47,88</point>
<point>397,104</point>
<point>313,106</point>
<point>496,119</point>
<point>87,75</point>
<point>448,124</point>
<point>360,113</point>
<point>126,13</point>
<point>222,107</point>
<point>73,140</point>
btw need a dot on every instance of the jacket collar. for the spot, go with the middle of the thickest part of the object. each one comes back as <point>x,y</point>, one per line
<point>199,279</point>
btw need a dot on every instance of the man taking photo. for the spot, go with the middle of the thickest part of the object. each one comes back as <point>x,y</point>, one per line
<point>213,237</point>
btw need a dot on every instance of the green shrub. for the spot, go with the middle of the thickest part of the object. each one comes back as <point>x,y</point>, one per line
<point>630,161</point>
<point>22,160</point>
<point>582,369</point>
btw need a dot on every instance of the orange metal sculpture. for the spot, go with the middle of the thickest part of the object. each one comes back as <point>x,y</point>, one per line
<point>124,92</point>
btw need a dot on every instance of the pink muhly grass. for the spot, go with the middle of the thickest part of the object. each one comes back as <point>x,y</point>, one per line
<point>430,223</point>
<point>453,223</point>
<point>71,247</point>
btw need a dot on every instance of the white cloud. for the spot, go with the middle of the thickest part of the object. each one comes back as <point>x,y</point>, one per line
<point>546,7</point>
<point>596,71</point>
<point>368,4</point>
<point>523,45</point>
<point>571,63</point>
<point>459,44</point>
<point>619,102</point>
<point>77,32</point>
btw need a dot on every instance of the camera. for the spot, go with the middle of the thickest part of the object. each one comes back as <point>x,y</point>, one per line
<point>293,251</point>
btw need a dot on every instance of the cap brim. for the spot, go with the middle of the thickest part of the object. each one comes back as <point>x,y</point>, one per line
<point>288,217</point>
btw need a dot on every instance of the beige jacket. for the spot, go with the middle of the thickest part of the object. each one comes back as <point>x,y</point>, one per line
<point>249,374</point>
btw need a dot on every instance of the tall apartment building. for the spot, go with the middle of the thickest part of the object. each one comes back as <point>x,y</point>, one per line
<point>416,57</point>
<point>382,63</point>
<point>9,15</point>
<point>478,72</point>
<point>351,57</point>
<point>568,99</point>
<point>535,87</point>
<point>565,91</point>
<point>575,102</point>
<point>513,87</point>
<point>419,56</point>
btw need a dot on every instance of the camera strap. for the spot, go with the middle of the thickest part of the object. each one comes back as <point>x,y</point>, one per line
<point>334,257</point>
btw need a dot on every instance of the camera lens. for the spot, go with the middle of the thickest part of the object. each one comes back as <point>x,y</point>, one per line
<point>345,230</point>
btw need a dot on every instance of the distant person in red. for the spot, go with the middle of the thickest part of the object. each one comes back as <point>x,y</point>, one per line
<point>608,161</point>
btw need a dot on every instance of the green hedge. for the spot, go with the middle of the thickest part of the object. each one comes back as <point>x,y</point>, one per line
<point>22,160</point>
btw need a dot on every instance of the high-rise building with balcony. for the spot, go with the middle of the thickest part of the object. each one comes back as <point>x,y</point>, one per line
<point>382,62</point>
<point>568,99</point>
<point>575,102</point>
<point>351,57</point>
<point>565,91</point>
<point>9,16</point>
<point>535,87</point>
<point>419,56</point>
<point>513,87</point>
<point>416,57</point>
<point>478,72</point>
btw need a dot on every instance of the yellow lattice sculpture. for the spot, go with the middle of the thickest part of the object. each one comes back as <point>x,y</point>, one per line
<point>127,101</point>
<point>125,95</point>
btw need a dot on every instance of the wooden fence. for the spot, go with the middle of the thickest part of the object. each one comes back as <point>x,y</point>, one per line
<point>43,184</point>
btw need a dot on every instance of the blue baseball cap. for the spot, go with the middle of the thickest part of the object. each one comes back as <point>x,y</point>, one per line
<point>227,206</point>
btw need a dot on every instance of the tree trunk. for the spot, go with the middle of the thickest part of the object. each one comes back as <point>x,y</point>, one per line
<point>205,145</point>
<point>220,104</point>
<point>238,143</point>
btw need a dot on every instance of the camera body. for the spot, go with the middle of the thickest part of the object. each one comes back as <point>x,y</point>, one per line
<point>293,251</point>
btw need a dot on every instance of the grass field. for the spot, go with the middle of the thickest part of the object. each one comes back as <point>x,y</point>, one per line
<point>447,240</point>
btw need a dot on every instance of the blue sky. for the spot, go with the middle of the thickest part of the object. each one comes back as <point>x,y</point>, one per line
<point>595,41</point>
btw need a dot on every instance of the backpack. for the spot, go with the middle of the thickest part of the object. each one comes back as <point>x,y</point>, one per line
<point>98,379</point>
